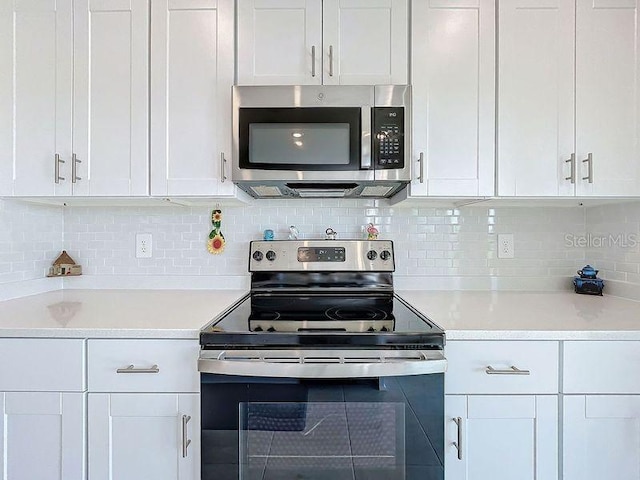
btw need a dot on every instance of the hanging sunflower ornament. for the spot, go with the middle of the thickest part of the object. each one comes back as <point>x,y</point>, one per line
<point>216,241</point>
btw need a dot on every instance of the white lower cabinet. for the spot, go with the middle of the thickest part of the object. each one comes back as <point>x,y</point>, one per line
<point>501,437</point>
<point>601,435</point>
<point>601,410</point>
<point>43,436</point>
<point>501,410</point>
<point>136,436</point>
<point>143,409</point>
<point>42,409</point>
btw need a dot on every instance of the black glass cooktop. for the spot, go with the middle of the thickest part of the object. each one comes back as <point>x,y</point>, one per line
<point>322,320</point>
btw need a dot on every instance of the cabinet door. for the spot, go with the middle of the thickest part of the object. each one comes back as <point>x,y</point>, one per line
<point>601,436</point>
<point>453,78</point>
<point>607,102</point>
<point>111,106</point>
<point>365,42</point>
<point>501,437</point>
<point>135,436</point>
<point>192,76</point>
<point>36,78</point>
<point>44,436</point>
<point>280,42</point>
<point>536,97</point>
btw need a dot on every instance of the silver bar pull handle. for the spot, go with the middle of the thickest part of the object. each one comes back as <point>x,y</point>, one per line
<point>458,444</point>
<point>313,60</point>
<point>223,173</point>
<point>509,371</point>
<point>74,168</point>
<point>572,162</point>
<point>589,162</point>
<point>185,440</point>
<point>331,364</point>
<point>331,60</point>
<point>421,165</point>
<point>132,369</point>
<point>56,174</point>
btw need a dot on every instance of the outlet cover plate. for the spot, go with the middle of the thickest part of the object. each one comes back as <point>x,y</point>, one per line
<point>505,245</point>
<point>143,245</point>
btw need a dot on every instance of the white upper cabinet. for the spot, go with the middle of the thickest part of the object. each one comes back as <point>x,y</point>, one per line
<point>36,89</point>
<point>365,42</point>
<point>280,42</point>
<point>568,81</point>
<point>73,97</point>
<point>536,101</point>
<point>607,103</point>
<point>331,42</point>
<point>453,79</point>
<point>191,79</point>
<point>110,121</point>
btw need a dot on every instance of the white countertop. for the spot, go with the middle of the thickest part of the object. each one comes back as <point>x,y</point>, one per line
<point>114,313</point>
<point>464,315</point>
<point>529,316</point>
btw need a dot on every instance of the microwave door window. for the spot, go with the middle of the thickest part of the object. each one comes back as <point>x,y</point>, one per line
<point>300,139</point>
<point>301,144</point>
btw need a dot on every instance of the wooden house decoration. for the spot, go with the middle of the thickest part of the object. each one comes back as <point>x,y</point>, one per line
<point>64,265</point>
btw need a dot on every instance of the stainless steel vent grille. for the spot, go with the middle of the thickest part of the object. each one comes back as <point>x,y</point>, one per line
<point>266,191</point>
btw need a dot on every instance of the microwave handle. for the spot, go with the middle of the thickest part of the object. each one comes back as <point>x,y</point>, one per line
<point>365,159</point>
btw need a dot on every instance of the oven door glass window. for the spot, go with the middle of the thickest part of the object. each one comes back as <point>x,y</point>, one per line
<point>300,138</point>
<point>332,440</point>
<point>277,429</point>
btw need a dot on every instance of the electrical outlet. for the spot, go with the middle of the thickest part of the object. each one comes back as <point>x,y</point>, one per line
<point>143,245</point>
<point>505,245</point>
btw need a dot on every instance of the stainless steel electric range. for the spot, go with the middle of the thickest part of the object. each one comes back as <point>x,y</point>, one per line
<point>322,371</point>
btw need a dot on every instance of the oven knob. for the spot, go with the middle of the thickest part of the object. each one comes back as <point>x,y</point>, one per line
<point>257,329</point>
<point>271,329</point>
<point>271,255</point>
<point>385,255</point>
<point>372,255</point>
<point>384,329</point>
<point>257,256</point>
<point>371,329</point>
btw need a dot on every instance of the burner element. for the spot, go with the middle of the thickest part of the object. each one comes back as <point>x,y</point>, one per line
<point>358,313</point>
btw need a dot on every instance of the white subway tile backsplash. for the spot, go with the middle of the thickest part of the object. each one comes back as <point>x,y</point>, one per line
<point>613,241</point>
<point>429,241</point>
<point>31,238</point>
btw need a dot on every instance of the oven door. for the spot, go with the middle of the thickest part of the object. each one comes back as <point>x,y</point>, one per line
<point>360,426</point>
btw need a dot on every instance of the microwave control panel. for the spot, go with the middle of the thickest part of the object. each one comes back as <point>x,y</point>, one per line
<point>388,137</point>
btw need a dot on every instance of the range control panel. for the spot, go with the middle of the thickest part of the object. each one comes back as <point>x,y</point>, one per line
<point>321,256</point>
<point>388,137</point>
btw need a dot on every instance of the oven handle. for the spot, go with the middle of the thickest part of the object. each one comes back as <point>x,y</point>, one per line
<point>322,364</point>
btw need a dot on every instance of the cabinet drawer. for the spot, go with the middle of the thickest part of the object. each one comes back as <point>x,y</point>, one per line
<point>31,365</point>
<point>468,367</point>
<point>601,367</point>
<point>143,366</point>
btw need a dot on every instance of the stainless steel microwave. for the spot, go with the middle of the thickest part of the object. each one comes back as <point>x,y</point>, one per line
<point>321,141</point>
